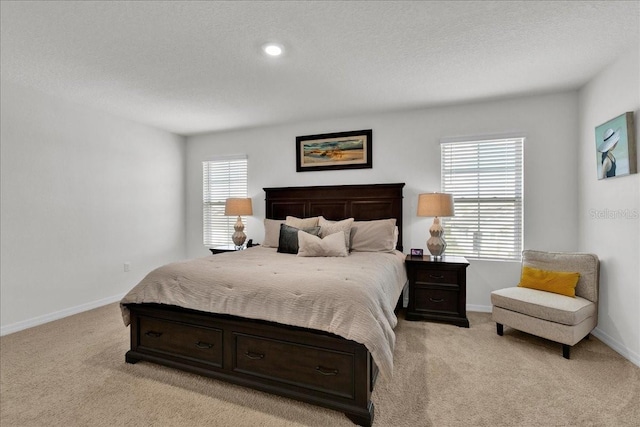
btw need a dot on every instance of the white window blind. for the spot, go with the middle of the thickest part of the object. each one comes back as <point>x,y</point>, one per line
<point>222,178</point>
<point>485,178</point>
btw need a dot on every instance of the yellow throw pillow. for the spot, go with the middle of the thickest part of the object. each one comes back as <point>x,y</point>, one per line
<point>558,282</point>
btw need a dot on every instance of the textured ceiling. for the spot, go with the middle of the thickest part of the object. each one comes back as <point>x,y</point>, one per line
<point>191,67</point>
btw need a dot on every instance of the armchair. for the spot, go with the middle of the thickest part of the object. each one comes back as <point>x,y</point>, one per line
<point>549,315</point>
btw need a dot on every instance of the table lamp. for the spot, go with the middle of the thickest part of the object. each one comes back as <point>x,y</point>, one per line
<point>436,205</point>
<point>232,207</point>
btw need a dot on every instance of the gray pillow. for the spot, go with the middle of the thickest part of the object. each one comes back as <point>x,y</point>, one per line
<point>288,242</point>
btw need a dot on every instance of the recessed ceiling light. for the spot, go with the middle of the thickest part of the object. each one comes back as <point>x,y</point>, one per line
<point>273,49</point>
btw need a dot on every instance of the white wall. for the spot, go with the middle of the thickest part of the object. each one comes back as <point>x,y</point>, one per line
<point>609,209</point>
<point>82,193</point>
<point>406,149</point>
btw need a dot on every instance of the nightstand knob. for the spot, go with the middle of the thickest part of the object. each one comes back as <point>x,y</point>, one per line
<point>436,300</point>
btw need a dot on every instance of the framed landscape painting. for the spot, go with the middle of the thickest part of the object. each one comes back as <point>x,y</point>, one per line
<point>616,147</point>
<point>330,151</point>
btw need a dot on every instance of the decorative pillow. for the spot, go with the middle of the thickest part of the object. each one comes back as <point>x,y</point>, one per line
<point>330,227</point>
<point>332,245</point>
<point>374,236</point>
<point>558,282</point>
<point>396,236</point>
<point>302,222</point>
<point>271,232</point>
<point>288,241</point>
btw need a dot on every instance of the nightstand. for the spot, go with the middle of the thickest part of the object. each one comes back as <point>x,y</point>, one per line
<point>437,289</point>
<point>224,248</point>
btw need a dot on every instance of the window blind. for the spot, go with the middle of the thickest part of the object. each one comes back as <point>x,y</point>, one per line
<point>222,178</point>
<point>486,180</point>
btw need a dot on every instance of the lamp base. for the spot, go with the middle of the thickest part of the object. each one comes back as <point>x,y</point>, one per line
<point>436,246</point>
<point>238,236</point>
<point>436,243</point>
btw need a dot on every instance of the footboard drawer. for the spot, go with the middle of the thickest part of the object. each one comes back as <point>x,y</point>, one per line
<point>320,369</point>
<point>192,342</point>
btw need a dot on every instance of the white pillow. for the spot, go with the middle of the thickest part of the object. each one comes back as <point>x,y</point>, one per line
<point>313,246</point>
<point>330,227</point>
<point>374,236</point>
<point>271,232</point>
<point>396,235</point>
<point>302,222</point>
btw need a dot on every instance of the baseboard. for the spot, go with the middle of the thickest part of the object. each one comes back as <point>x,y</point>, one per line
<point>479,308</point>
<point>608,340</point>
<point>624,351</point>
<point>30,323</point>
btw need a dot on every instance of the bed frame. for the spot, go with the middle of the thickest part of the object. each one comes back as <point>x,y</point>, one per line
<point>308,365</point>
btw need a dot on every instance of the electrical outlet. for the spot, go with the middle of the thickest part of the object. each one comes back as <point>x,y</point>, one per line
<point>127,267</point>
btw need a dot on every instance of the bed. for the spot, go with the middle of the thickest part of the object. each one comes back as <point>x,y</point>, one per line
<point>296,359</point>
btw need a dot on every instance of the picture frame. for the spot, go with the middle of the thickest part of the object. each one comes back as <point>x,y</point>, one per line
<point>416,252</point>
<point>616,147</point>
<point>334,151</point>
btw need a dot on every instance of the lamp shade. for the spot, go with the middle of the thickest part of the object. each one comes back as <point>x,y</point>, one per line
<point>238,207</point>
<point>435,204</point>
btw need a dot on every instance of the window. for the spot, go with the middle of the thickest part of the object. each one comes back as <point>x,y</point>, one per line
<point>222,178</point>
<point>485,178</point>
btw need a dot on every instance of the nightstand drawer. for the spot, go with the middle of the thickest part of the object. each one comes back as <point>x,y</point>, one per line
<point>436,300</point>
<point>432,275</point>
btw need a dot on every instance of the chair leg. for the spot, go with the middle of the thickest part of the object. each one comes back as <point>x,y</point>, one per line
<point>566,349</point>
<point>499,329</point>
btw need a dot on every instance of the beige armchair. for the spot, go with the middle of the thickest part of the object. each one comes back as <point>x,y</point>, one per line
<point>548,315</point>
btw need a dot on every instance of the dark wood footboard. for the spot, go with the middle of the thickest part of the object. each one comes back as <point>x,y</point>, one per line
<point>312,366</point>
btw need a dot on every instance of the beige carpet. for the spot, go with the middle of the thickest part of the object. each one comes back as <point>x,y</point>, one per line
<point>72,373</point>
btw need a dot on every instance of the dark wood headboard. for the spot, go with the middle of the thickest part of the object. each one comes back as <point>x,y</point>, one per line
<point>335,202</point>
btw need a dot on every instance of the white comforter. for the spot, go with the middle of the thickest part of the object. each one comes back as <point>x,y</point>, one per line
<point>353,297</point>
